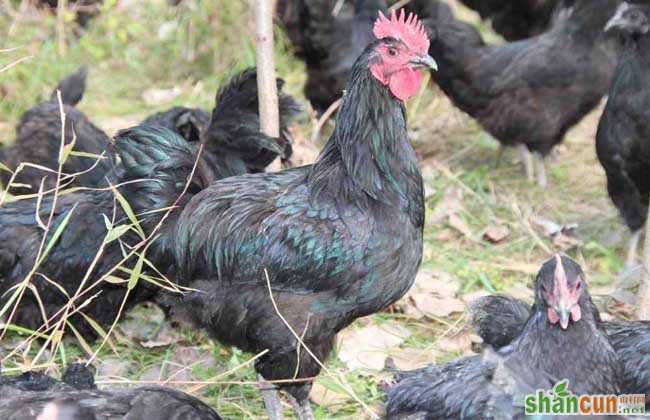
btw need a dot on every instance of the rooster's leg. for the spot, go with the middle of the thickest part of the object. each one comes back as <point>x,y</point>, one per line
<point>302,408</point>
<point>271,399</point>
<point>541,171</point>
<point>527,160</point>
<point>632,248</point>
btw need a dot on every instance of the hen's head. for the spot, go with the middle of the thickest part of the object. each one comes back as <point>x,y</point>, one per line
<point>400,53</point>
<point>630,19</point>
<point>559,286</point>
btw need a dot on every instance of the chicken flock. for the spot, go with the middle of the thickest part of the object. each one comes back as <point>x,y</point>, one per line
<point>180,210</point>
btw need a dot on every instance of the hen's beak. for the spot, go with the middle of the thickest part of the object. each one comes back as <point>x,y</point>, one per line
<point>563,312</point>
<point>618,21</point>
<point>425,61</point>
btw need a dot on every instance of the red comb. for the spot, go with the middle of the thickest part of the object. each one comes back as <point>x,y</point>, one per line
<point>409,30</point>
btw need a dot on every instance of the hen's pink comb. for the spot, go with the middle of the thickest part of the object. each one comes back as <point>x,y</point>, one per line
<point>409,30</point>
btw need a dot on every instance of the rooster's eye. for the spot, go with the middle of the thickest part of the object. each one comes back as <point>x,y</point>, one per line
<point>392,52</point>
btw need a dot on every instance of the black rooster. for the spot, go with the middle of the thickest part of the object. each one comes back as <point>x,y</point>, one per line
<point>500,319</point>
<point>338,239</point>
<point>161,162</point>
<point>36,396</point>
<point>331,44</point>
<point>516,19</point>
<point>232,138</point>
<point>38,139</point>
<point>518,91</point>
<point>621,141</point>
<point>560,340</point>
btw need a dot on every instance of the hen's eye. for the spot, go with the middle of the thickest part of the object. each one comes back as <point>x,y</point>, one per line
<point>392,52</point>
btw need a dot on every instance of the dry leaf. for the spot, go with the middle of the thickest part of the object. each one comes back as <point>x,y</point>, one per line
<point>450,203</point>
<point>165,337</point>
<point>410,359</point>
<point>325,397</point>
<point>435,281</point>
<point>113,367</point>
<point>565,242</point>
<point>472,296</point>
<point>458,224</point>
<point>367,348</point>
<point>437,307</point>
<point>461,342</point>
<point>496,234</point>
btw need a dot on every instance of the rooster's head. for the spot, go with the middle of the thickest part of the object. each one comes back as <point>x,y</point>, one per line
<point>559,287</point>
<point>402,50</point>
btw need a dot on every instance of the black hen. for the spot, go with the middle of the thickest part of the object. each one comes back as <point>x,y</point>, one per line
<point>624,129</point>
<point>188,122</point>
<point>518,91</point>
<point>234,128</point>
<point>36,396</point>
<point>162,162</point>
<point>500,319</point>
<point>516,19</point>
<point>331,44</point>
<point>560,340</point>
<point>38,139</point>
<point>233,142</point>
<point>339,239</point>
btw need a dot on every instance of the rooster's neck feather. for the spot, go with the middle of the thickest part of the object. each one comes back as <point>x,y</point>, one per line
<point>369,155</point>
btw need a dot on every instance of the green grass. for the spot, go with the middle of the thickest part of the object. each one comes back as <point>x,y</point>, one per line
<point>149,45</point>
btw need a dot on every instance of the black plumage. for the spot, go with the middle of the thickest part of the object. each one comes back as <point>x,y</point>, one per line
<point>499,319</point>
<point>146,153</point>
<point>339,239</point>
<point>161,162</point>
<point>234,128</point>
<point>38,140</point>
<point>560,340</point>
<point>188,122</point>
<point>624,129</point>
<point>518,91</point>
<point>330,44</point>
<point>34,396</point>
<point>231,135</point>
<point>516,19</point>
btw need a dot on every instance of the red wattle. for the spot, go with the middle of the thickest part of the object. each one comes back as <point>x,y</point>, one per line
<point>405,83</point>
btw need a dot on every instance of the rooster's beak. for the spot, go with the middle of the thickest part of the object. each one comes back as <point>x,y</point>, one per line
<point>425,61</point>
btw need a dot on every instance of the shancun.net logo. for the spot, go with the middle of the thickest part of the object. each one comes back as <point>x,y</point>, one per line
<point>560,400</point>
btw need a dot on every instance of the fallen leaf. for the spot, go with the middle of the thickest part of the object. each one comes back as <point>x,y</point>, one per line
<point>496,234</point>
<point>472,296</point>
<point>457,223</point>
<point>143,322</point>
<point>367,348</point>
<point>165,337</point>
<point>457,343</point>
<point>437,307</point>
<point>565,242</point>
<point>450,203</point>
<point>435,281</point>
<point>409,359</point>
<point>326,397</point>
<point>113,367</point>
